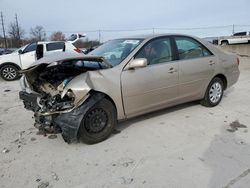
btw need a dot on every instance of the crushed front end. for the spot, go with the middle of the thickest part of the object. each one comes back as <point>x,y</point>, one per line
<point>55,93</point>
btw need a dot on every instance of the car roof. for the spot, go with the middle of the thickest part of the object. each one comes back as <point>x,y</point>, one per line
<point>150,36</point>
<point>46,42</point>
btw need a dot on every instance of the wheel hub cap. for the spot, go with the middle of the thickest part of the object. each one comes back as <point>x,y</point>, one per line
<point>9,73</point>
<point>215,92</point>
<point>96,120</point>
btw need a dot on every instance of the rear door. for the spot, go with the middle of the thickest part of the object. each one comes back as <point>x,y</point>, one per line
<point>154,86</point>
<point>196,67</point>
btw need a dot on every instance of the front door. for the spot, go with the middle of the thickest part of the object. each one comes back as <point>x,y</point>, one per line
<point>151,87</point>
<point>28,56</point>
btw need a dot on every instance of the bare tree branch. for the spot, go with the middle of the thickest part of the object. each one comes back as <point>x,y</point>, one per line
<point>38,33</point>
<point>57,36</point>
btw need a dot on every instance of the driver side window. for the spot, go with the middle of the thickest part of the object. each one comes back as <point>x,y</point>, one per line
<point>156,51</point>
<point>30,48</point>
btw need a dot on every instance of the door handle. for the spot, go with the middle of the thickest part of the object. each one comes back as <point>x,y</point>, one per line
<point>172,70</point>
<point>211,62</point>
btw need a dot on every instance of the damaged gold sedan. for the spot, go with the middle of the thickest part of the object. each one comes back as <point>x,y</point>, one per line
<point>83,96</point>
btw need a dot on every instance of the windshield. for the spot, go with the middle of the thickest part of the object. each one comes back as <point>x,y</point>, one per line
<point>115,51</point>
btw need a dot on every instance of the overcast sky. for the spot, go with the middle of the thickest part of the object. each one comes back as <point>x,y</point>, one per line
<point>81,15</point>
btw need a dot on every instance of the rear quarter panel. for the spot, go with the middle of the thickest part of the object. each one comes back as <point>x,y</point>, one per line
<point>226,64</point>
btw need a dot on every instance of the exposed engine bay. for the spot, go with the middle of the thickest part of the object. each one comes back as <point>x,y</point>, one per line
<point>49,89</point>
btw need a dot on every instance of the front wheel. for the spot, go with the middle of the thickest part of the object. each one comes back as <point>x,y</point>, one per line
<point>9,72</point>
<point>214,93</point>
<point>98,122</point>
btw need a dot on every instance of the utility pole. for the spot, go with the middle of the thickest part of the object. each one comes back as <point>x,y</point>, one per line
<point>233,28</point>
<point>18,32</point>
<point>153,29</point>
<point>99,33</point>
<point>4,36</point>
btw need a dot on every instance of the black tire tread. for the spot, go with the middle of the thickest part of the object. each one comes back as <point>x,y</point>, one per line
<point>9,65</point>
<point>205,101</point>
<point>85,137</point>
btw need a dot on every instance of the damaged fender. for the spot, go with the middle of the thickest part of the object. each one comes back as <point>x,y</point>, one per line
<point>71,122</point>
<point>78,86</point>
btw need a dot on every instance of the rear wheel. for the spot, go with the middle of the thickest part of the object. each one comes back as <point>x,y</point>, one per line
<point>98,122</point>
<point>9,72</point>
<point>214,93</point>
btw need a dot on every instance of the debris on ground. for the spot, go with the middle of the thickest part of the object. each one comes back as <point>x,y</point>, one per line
<point>115,131</point>
<point>7,90</point>
<point>234,126</point>
<point>41,132</point>
<point>181,158</point>
<point>54,176</point>
<point>5,150</point>
<point>43,185</point>
<point>125,162</point>
<point>126,181</point>
<point>52,136</point>
<point>20,141</point>
<point>33,139</point>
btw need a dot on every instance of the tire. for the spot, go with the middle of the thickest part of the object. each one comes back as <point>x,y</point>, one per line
<point>224,43</point>
<point>214,93</point>
<point>98,122</point>
<point>9,72</point>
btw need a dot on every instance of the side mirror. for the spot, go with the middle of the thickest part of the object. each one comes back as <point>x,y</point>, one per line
<point>138,63</point>
<point>20,51</point>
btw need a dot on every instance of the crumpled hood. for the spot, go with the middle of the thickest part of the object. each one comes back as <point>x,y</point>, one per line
<point>62,56</point>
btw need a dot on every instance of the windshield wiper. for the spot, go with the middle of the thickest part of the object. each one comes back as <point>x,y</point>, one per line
<point>109,65</point>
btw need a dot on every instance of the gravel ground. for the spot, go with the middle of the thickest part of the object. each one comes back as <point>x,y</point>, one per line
<point>184,146</point>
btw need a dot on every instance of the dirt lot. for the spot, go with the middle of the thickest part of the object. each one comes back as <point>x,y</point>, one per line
<point>185,146</point>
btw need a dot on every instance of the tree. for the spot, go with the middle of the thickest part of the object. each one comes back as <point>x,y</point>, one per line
<point>57,36</point>
<point>16,33</point>
<point>38,33</point>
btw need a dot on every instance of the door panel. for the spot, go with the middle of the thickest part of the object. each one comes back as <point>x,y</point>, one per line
<point>154,86</point>
<point>194,74</point>
<point>28,56</point>
<point>149,88</point>
<point>196,67</point>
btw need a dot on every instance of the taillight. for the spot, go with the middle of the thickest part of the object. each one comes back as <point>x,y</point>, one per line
<point>238,60</point>
<point>78,50</point>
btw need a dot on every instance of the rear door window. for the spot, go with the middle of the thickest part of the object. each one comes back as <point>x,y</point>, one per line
<point>189,48</point>
<point>55,46</point>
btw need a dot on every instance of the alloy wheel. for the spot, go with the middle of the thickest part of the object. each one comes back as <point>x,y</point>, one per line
<point>215,92</point>
<point>9,73</point>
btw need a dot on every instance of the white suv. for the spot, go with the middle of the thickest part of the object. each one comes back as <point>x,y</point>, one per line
<point>23,57</point>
